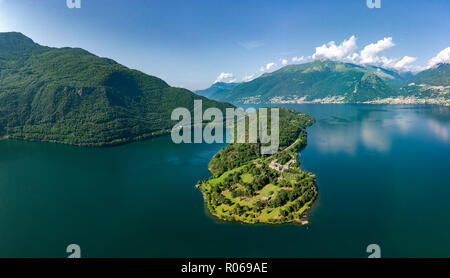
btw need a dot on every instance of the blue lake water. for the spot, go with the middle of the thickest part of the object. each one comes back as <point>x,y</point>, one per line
<point>382,171</point>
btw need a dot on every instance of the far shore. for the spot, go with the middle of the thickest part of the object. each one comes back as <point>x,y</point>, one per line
<point>407,100</point>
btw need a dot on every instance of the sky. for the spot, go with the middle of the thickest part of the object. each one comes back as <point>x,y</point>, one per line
<point>193,43</point>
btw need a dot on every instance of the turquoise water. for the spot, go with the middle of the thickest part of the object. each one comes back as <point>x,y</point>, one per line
<point>383,177</point>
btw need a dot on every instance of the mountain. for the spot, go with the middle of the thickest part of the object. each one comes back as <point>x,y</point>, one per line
<point>323,81</point>
<point>218,90</point>
<point>438,75</point>
<point>68,95</point>
<point>431,83</point>
<point>15,46</point>
<point>392,78</point>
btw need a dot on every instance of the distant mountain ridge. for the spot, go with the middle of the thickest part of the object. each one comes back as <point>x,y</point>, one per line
<point>325,81</point>
<point>68,95</point>
<point>438,75</point>
<point>217,90</point>
<point>431,83</point>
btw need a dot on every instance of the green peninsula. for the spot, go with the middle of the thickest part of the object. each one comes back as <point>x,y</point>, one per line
<point>251,188</point>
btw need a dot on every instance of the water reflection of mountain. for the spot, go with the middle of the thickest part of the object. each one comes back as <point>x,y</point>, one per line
<point>438,120</point>
<point>347,128</point>
<point>435,112</point>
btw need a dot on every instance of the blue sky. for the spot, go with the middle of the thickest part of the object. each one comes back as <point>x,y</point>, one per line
<point>189,43</point>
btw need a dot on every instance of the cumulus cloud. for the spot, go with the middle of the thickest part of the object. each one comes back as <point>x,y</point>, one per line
<point>270,66</point>
<point>333,51</point>
<point>298,59</point>
<point>262,69</point>
<point>353,58</point>
<point>225,77</point>
<point>405,63</point>
<point>248,78</point>
<point>442,57</point>
<point>369,55</point>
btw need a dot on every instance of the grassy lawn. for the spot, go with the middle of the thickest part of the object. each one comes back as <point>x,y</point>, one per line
<point>270,187</point>
<point>226,174</point>
<point>247,177</point>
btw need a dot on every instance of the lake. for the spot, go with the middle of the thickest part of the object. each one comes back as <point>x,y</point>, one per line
<point>382,172</point>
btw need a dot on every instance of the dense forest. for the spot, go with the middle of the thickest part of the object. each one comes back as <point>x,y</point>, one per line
<point>292,127</point>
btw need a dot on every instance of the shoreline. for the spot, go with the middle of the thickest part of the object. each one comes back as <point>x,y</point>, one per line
<point>110,144</point>
<point>166,132</point>
<point>293,222</point>
<point>386,101</point>
<point>114,143</point>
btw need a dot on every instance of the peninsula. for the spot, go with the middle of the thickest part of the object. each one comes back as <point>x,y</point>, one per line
<point>251,188</point>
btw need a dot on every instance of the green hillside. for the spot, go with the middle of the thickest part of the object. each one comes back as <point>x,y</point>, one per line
<point>68,95</point>
<point>315,80</point>
<point>392,78</point>
<point>292,126</point>
<point>431,83</point>
<point>438,75</point>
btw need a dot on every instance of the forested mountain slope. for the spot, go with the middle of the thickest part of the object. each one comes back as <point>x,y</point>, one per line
<point>68,95</point>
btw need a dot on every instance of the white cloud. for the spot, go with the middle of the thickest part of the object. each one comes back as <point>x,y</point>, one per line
<point>333,51</point>
<point>442,57</point>
<point>405,64</point>
<point>298,59</point>
<point>261,70</point>
<point>225,77</point>
<point>385,62</point>
<point>354,58</point>
<point>405,61</point>
<point>369,55</point>
<point>248,78</point>
<point>270,65</point>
